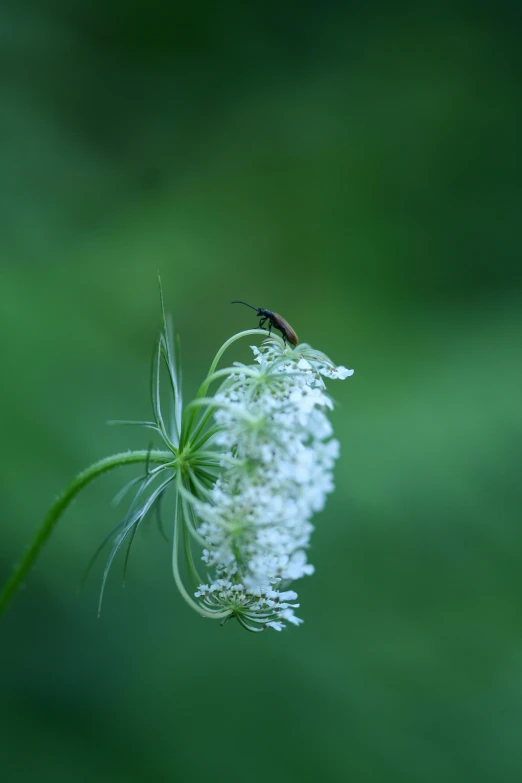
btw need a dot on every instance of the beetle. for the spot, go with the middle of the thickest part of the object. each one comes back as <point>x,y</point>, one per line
<point>276,321</point>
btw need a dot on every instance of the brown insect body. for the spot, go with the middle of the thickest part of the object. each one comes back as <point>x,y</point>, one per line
<point>275,320</point>
<point>278,322</point>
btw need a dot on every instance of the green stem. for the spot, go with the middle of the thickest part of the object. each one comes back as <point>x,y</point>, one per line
<point>189,425</point>
<point>62,502</point>
<point>213,615</point>
<point>217,357</point>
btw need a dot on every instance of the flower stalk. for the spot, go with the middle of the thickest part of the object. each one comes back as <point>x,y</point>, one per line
<point>60,505</point>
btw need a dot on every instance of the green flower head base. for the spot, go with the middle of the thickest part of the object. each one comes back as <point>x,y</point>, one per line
<point>249,467</point>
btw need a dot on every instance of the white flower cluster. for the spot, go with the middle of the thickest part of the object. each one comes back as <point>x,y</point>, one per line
<point>277,471</point>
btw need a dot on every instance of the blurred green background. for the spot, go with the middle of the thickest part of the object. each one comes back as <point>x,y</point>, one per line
<point>356,167</point>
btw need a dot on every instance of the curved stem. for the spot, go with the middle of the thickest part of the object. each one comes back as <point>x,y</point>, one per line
<point>222,350</point>
<point>175,567</point>
<point>62,502</point>
<point>208,434</point>
<point>187,429</point>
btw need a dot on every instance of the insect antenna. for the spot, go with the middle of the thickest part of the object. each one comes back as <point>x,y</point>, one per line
<point>238,301</point>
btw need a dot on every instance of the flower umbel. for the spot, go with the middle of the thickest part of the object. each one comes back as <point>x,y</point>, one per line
<point>249,465</point>
<point>272,429</point>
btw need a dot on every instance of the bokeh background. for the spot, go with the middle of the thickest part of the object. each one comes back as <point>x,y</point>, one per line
<point>357,167</point>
